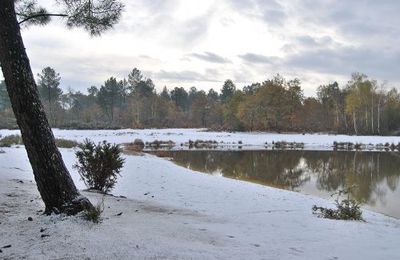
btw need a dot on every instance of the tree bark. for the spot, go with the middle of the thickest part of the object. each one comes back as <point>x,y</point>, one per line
<point>355,123</point>
<point>372,114</point>
<point>379,114</point>
<point>52,177</point>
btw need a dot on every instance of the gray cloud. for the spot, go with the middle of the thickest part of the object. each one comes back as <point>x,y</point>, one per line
<point>155,21</point>
<point>355,19</point>
<point>270,11</point>
<point>367,30</point>
<point>187,76</point>
<point>274,17</point>
<point>345,60</point>
<point>210,57</point>
<point>190,32</point>
<point>307,42</point>
<point>365,37</point>
<point>340,61</point>
<point>258,58</point>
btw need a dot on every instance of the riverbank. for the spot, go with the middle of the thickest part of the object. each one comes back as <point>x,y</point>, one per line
<point>175,213</point>
<point>226,140</point>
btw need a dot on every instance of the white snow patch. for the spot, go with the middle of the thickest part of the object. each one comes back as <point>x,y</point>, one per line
<point>175,213</point>
<point>250,140</point>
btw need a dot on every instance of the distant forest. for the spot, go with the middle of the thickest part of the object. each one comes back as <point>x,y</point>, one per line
<point>362,106</point>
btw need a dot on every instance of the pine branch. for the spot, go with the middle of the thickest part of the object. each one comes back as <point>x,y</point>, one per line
<point>40,15</point>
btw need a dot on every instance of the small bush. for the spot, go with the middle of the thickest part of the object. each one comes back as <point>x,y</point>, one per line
<point>287,145</point>
<point>134,148</point>
<point>64,143</point>
<point>346,209</point>
<point>94,213</point>
<point>9,140</point>
<point>156,144</point>
<point>99,165</point>
<point>204,144</point>
<point>139,144</point>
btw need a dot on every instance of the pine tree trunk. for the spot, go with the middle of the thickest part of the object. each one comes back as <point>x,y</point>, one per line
<point>52,177</point>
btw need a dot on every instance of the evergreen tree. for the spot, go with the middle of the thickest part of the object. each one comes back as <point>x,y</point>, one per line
<point>93,91</point>
<point>144,89</point>
<point>200,110</point>
<point>165,94</point>
<point>49,90</point>
<point>110,96</point>
<point>212,95</point>
<point>134,77</point>
<point>227,91</point>
<point>251,89</point>
<point>180,97</point>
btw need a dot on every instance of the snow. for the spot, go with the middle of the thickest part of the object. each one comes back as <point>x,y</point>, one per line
<point>250,140</point>
<point>175,213</point>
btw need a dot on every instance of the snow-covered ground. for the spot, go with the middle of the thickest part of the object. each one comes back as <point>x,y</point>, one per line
<point>250,140</point>
<point>175,213</point>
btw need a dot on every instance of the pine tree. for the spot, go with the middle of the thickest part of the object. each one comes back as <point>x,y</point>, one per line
<point>51,175</point>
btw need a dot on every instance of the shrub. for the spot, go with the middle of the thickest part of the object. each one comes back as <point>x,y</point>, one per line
<point>64,143</point>
<point>346,209</point>
<point>135,147</point>
<point>9,140</point>
<point>98,165</point>
<point>94,213</point>
<point>156,144</point>
<point>287,145</point>
<point>204,144</point>
<point>139,144</point>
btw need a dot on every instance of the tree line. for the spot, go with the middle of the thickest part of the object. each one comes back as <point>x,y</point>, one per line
<point>362,106</point>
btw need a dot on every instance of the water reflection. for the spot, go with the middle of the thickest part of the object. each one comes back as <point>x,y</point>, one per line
<point>375,174</point>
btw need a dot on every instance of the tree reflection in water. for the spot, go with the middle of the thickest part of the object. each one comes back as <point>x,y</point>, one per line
<point>375,174</point>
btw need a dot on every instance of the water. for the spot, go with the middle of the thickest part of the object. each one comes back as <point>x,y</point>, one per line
<point>375,174</point>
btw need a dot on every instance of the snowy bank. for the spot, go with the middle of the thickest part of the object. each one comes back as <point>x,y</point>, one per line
<point>249,140</point>
<point>175,213</point>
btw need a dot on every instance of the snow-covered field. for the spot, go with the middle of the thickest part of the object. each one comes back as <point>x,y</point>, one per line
<point>250,140</point>
<point>175,213</point>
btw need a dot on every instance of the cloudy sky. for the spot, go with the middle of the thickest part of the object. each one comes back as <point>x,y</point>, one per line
<point>202,43</point>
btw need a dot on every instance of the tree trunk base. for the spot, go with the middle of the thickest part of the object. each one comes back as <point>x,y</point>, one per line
<point>79,204</point>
